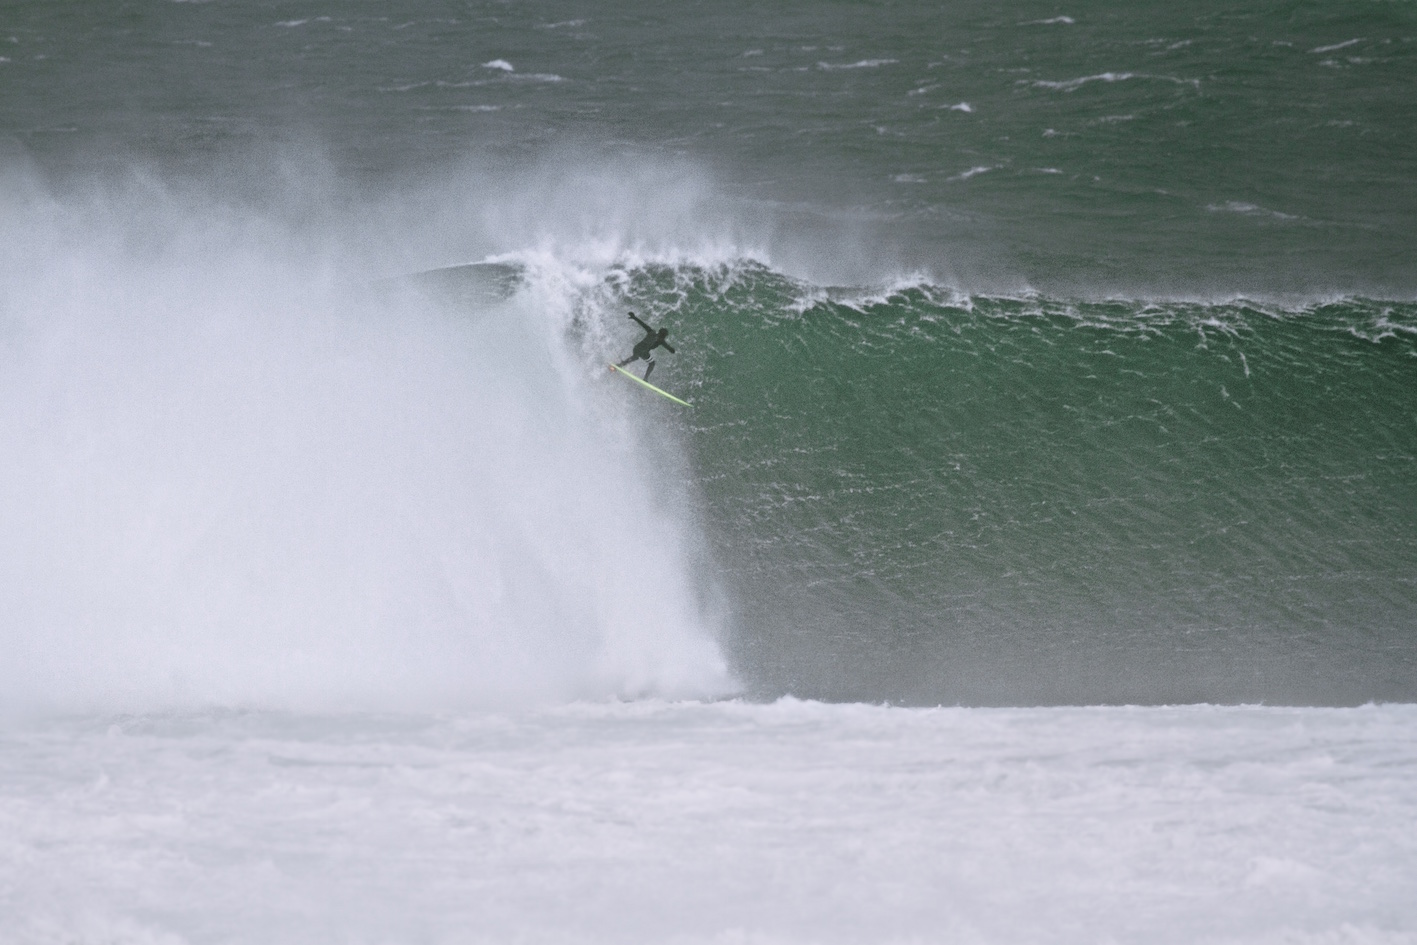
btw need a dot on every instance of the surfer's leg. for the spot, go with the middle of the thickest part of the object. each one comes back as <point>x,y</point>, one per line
<point>633,357</point>
<point>649,368</point>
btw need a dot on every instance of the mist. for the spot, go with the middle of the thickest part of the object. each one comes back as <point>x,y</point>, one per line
<point>234,470</point>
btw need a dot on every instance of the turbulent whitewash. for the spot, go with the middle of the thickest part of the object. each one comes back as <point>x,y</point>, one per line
<point>723,822</point>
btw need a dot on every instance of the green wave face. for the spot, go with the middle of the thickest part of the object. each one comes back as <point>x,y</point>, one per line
<point>923,498</point>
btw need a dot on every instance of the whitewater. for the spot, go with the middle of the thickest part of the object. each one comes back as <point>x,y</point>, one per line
<point>1036,564</point>
<point>721,822</point>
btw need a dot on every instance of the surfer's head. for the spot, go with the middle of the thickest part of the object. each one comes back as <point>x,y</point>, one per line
<point>663,332</point>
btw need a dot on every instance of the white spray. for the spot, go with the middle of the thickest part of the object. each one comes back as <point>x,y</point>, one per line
<point>232,473</point>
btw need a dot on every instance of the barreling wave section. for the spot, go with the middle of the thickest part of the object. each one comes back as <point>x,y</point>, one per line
<point>919,495</point>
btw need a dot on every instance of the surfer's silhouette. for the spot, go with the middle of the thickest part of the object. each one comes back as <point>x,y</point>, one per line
<point>654,338</point>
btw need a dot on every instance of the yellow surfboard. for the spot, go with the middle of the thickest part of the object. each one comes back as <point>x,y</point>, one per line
<point>644,383</point>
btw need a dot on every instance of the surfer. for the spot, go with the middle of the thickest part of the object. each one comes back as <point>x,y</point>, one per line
<point>653,339</point>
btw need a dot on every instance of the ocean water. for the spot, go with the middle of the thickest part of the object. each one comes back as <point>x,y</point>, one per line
<point>1037,562</point>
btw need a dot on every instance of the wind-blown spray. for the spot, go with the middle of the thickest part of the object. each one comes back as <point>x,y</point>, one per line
<point>230,473</point>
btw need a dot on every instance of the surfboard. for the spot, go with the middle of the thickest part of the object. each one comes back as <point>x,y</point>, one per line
<point>644,383</point>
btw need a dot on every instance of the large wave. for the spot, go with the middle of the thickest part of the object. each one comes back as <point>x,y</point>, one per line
<point>919,494</point>
<point>248,459</point>
<point>924,495</point>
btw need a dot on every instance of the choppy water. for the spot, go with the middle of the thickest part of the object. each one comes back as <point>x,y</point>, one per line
<point>1076,149</point>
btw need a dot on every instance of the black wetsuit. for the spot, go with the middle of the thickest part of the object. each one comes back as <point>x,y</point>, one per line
<point>654,338</point>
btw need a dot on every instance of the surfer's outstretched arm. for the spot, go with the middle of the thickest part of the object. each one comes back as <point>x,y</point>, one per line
<point>641,323</point>
<point>666,345</point>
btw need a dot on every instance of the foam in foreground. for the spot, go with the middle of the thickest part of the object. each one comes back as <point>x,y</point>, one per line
<point>726,822</point>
